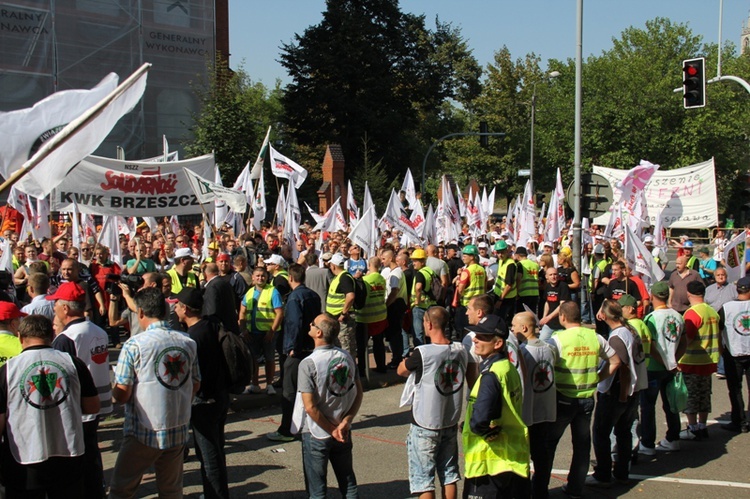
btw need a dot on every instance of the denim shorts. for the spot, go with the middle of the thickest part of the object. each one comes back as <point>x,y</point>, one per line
<point>260,348</point>
<point>432,452</point>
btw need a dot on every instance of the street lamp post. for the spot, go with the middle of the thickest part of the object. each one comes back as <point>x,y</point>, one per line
<point>553,74</point>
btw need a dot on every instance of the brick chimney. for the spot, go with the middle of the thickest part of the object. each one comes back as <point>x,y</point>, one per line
<point>333,185</point>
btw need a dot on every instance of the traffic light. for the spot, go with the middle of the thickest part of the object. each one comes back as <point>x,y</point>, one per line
<point>484,140</point>
<point>694,83</point>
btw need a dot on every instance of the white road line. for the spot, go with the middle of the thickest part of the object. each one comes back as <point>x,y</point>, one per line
<point>669,479</point>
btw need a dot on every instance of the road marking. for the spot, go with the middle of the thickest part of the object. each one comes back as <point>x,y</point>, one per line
<point>669,479</point>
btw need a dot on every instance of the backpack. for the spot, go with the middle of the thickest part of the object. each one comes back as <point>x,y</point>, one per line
<point>238,358</point>
<point>360,293</point>
<point>436,291</point>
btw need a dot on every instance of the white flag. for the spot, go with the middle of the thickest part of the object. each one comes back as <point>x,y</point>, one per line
<point>491,202</point>
<point>76,227</point>
<point>367,202</point>
<point>317,217</point>
<point>88,225</point>
<point>430,227</point>
<point>280,207</point>
<point>259,203</point>
<point>639,258</point>
<point>527,213</point>
<point>207,192</point>
<point>461,201</point>
<point>153,225</point>
<point>80,137</point>
<point>292,218</point>
<point>23,131</point>
<point>221,210</point>
<point>244,183</point>
<point>395,217</point>
<point>333,219</point>
<point>258,165</point>
<point>450,212</point>
<point>174,224</point>
<point>351,205</point>
<point>165,147</point>
<point>41,226</point>
<point>418,220</point>
<point>6,260</point>
<point>734,257</point>
<point>408,188</point>
<point>283,167</point>
<point>362,233</point>
<point>109,238</point>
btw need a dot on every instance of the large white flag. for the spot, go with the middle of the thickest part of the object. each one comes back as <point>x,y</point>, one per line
<point>88,226</point>
<point>395,218</point>
<point>208,192</point>
<point>244,183</point>
<point>450,212</point>
<point>363,233</point>
<point>281,206</point>
<point>639,258</point>
<point>41,226</point>
<point>259,203</point>
<point>79,138</point>
<point>109,238</point>
<point>634,183</point>
<point>408,188</point>
<point>556,214</point>
<point>461,201</point>
<point>527,214</point>
<point>221,210</point>
<point>23,131</point>
<point>174,224</point>
<point>258,165</point>
<point>734,257</point>
<point>283,167</point>
<point>418,220</point>
<point>75,234</point>
<point>292,218</point>
<point>333,219</point>
<point>367,202</point>
<point>430,227</point>
<point>317,217</point>
<point>351,205</point>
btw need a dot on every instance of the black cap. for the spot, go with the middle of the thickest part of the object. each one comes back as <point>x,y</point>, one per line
<point>521,250</point>
<point>696,288</point>
<point>490,324</point>
<point>191,297</point>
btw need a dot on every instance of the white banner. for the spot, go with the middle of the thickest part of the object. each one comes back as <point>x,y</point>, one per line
<point>105,186</point>
<point>209,192</point>
<point>685,197</point>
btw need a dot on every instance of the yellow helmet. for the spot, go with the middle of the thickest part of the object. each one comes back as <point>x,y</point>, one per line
<point>418,254</point>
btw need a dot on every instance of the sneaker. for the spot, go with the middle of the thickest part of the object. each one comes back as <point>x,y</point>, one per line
<point>688,434</point>
<point>592,481</point>
<point>270,390</point>
<point>279,437</point>
<point>570,494</point>
<point>667,446</point>
<point>745,427</point>
<point>252,389</point>
<point>646,451</point>
<point>734,427</point>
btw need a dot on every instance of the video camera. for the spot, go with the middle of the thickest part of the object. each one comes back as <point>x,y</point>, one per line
<point>133,282</point>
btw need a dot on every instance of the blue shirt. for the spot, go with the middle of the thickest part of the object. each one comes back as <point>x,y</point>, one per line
<point>353,266</point>
<point>302,307</point>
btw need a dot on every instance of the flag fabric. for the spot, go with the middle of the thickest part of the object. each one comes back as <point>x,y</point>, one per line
<point>461,202</point>
<point>429,232</point>
<point>165,147</point>
<point>351,205</point>
<point>75,234</point>
<point>6,260</point>
<point>283,167</point>
<point>362,233</point>
<point>258,165</point>
<point>639,258</point>
<point>556,211</point>
<point>473,218</point>
<point>734,257</point>
<point>281,206</point>
<point>109,237</point>
<point>41,226</point>
<point>207,192</point>
<point>367,200</point>
<point>88,226</point>
<point>292,218</point>
<point>153,225</point>
<point>485,200</point>
<point>395,218</point>
<point>206,236</point>
<point>409,190</point>
<point>314,213</point>
<point>632,189</point>
<point>333,219</point>
<point>23,204</point>
<point>417,220</point>
<point>491,202</point>
<point>259,203</point>
<point>221,210</point>
<point>24,129</point>
<point>174,224</point>
<point>244,183</point>
<point>450,212</point>
<point>528,212</point>
<point>80,137</point>
<point>659,239</point>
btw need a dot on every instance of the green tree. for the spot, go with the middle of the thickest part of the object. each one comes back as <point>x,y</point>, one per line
<point>368,68</point>
<point>233,120</point>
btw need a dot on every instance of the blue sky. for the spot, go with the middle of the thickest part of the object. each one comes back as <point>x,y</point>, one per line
<point>257,28</point>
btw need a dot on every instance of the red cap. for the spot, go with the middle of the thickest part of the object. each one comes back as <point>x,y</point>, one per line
<point>68,291</point>
<point>223,257</point>
<point>9,311</point>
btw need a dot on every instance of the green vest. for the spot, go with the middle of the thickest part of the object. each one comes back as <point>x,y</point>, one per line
<point>691,262</point>
<point>510,450</point>
<point>530,279</point>
<point>192,280</point>
<point>375,309</point>
<point>643,331</point>
<point>502,271</point>
<point>704,347</point>
<point>10,346</point>
<point>576,369</point>
<point>476,284</point>
<point>264,311</point>
<point>427,301</point>
<point>601,264</point>
<point>335,301</point>
<point>282,273</point>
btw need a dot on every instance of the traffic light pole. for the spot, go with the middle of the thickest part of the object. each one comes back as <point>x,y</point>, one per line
<point>577,160</point>
<point>456,134</point>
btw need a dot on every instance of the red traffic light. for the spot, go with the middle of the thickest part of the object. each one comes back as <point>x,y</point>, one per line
<point>691,70</point>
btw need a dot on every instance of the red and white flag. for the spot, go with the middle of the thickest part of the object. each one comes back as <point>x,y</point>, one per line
<point>351,205</point>
<point>283,167</point>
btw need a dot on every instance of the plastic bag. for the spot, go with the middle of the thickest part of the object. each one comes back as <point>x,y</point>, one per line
<point>677,394</point>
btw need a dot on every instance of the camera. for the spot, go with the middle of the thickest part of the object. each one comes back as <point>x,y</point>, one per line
<point>133,282</point>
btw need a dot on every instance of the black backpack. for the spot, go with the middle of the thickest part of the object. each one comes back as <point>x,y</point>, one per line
<point>238,358</point>
<point>360,293</point>
<point>436,291</point>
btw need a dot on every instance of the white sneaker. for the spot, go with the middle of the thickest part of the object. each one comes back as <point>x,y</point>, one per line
<point>667,446</point>
<point>646,451</point>
<point>270,390</point>
<point>252,389</point>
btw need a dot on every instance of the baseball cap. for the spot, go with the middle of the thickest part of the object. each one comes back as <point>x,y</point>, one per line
<point>223,257</point>
<point>338,260</point>
<point>696,288</point>
<point>326,256</point>
<point>183,253</point>
<point>521,250</point>
<point>490,324</point>
<point>418,254</point>
<point>483,244</point>
<point>547,244</point>
<point>704,250</point>
<point>470,249</point>
<point>627,301</point>
<point>68,291</point>
<point>501,245</point>
<point>660,289</point>
<point>274,260</point>
<point>743,285</point>
<point>688,244</point>
<point>214,245</point>
<point>9,311</point>
<point>191,297</point>
<point>648,238</point>
<point>599,249</point>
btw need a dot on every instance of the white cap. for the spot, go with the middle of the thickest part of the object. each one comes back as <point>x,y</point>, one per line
<point>275,259</point>
<point>338,260</point>
<point>482,245</point>
<point>547,244</point>
<point>648,238</point>
<point>183,253</point>
<point>505,233</point>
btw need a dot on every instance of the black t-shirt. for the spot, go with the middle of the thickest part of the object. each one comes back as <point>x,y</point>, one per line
<point>454,266</point>
<point>615,289</point>
<point>554,296</point>
<point>565,273</point>
<point>211,361</point>
<point>281,284</point>
<point>346,284</point>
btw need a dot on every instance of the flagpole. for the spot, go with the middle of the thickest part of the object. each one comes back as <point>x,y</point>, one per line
<point>72,128</point>
<point>252,208</point>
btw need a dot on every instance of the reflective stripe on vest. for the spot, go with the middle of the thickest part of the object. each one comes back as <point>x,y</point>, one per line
<point>335,300</point>
<point>375,309</point>
<point>530,279</point>
<point>575,370</point>
<point>510,450</point>
<point>502,271</point>
<point>476,284</point>
<point>264,311</point>
<point>704,348</point>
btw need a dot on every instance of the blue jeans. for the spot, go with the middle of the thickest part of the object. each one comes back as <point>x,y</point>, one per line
<point>432,452</point>
<point>613,414</point>
<point>575,413</point>
<point>417,315</point>
<point>657,383</point>
<point>587,314</point>
<point>315,456</point>
<point>208,422</point>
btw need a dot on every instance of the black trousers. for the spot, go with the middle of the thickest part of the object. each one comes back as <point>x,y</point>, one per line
<point>393,334</point>
<point>737,368</point>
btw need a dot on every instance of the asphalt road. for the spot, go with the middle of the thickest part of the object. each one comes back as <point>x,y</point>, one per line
<point>715,468</point>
